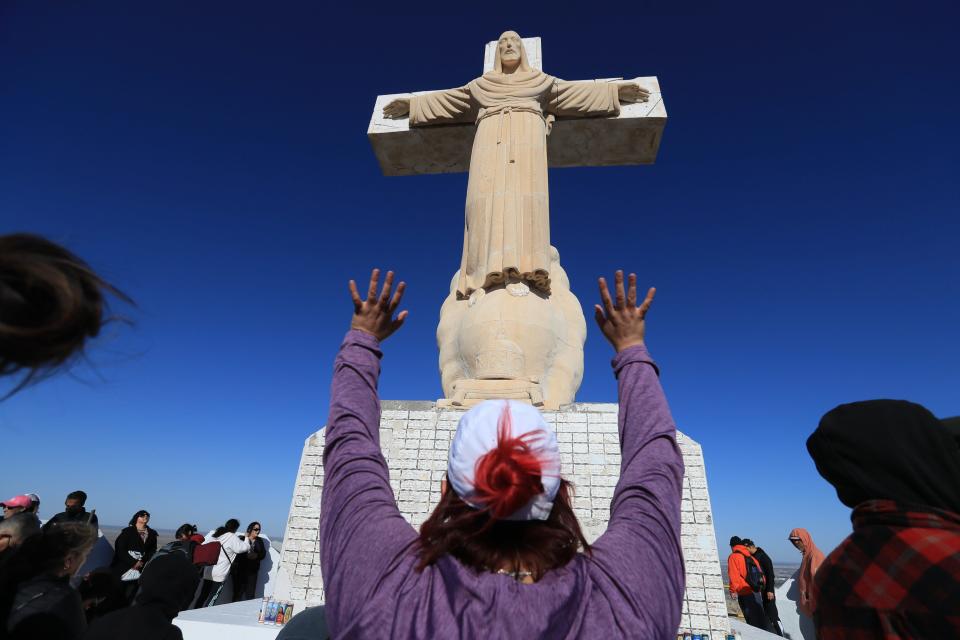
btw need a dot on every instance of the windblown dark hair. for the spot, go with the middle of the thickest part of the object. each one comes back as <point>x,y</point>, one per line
<point>51,302</point>
<point>78,495</point>
<point>142,512</point>
<point>230,526</point>
<point>252,525</point>
<point>185,530</point>
<point>484,543</point>
<point>505,479</point>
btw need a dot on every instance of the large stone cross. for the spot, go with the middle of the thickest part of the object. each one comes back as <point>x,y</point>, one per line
<point>510,326</point>
<point>631,138</point>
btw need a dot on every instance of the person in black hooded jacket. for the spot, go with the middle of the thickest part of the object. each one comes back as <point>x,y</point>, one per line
<point>166,587</point>
<point>768,596</point>
<point>898,467</point>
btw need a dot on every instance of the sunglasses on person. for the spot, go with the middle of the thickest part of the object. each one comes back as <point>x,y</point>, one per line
<point>255,529</point>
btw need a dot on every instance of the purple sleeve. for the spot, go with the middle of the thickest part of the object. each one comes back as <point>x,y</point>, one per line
<point>640,550</point>
<point>361,529</point>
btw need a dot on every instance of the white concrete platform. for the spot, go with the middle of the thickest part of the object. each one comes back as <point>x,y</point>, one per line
<point>796,625</point>
<point>750,633</point>
<point>235,621</point>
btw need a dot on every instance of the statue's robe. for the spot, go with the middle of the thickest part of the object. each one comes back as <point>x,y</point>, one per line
<point>507,229</point>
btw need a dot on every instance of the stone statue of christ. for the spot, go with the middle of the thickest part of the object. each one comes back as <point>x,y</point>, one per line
<point>507,229</point>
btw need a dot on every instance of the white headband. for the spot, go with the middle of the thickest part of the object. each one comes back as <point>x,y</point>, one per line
<point>477,435</point>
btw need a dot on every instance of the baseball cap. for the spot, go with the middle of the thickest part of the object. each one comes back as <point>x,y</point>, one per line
<point>16,501</point>
<point>479,432</point>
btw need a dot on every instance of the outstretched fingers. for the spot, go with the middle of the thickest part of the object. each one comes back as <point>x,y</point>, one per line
<point>598,315</point>
<point>397,296</point>
<point>355,296</point>
<point>398,321</point>
<point>384,301</point>
<point>372,290</point>
<point>632,290</point>
<point>621,295</point>
<point>645,306</point>
<point>605,296</point>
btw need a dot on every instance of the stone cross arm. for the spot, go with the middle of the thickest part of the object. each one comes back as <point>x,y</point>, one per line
<point>631,138</point>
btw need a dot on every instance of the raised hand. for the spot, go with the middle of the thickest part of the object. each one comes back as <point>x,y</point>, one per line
<point>623,323</point>
<point>632,92</point>
<point>375,314</point>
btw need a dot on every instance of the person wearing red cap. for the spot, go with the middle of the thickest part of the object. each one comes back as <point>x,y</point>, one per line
<point>468,573</point>
<point>15,505</point>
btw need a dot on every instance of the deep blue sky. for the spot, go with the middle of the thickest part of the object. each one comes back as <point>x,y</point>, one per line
<point>801,225</point>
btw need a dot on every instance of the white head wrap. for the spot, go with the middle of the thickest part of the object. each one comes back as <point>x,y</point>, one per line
<point>477,435</point>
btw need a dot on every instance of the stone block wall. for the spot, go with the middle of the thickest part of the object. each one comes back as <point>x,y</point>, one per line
<point>415,437</point>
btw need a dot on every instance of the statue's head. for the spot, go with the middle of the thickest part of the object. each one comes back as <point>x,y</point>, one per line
<point>511,56</point>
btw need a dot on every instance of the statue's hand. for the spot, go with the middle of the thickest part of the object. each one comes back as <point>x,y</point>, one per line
<point>375,314</point>
<point>398,108</point>
<point>623,324</point>
<point>633,92</point>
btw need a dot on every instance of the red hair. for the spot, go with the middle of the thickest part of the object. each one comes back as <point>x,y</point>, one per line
<point>505,479</point>
<point>508,476</point>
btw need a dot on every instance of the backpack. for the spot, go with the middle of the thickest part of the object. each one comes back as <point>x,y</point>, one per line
<point>755,577</point>
<point>190,549</point>
<point>207,553</point>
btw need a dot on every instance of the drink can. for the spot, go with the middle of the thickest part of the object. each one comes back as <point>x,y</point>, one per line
<point>271,613</point>
<point>280,609</point>
<point>687,635</point>
<point>263,609</point>
<point>288,613</point>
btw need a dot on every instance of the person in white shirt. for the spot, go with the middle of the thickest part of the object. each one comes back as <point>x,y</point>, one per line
<point>231,546</point>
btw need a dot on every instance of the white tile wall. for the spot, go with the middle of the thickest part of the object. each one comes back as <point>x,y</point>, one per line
<point>415,437</point>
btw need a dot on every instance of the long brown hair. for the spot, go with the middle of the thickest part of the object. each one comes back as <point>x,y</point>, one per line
<point>485,543</point>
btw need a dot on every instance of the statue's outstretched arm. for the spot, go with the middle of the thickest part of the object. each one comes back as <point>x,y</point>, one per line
<point>437,107</point>
<point>591,99</point>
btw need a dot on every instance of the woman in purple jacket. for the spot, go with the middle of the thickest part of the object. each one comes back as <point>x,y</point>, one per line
<point>502,556</point>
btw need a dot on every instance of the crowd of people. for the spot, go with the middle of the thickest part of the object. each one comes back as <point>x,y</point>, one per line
<point>43,591</point>
<point>752,580</point>
<point>503,554</point>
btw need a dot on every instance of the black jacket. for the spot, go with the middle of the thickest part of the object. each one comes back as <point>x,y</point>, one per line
<point>46,607</point>
<point>129,540</point>
<point>81,516</point>
<point>249,563</point>
<point>766,564</point>
<point>166,587</point>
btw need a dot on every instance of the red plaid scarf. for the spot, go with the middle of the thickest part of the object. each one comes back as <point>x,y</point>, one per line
<point>896,576</point>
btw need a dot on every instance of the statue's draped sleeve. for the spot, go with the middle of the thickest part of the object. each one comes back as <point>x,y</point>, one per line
<point>580,99</point>
<point>443,107</point>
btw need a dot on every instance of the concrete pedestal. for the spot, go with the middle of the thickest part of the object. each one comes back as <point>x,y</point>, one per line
<point>415,437</point>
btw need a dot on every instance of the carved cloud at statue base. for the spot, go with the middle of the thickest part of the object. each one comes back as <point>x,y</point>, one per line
<point>511,341</point>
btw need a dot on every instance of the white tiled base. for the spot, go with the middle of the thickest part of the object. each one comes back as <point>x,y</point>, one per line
<point>415,437</point>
